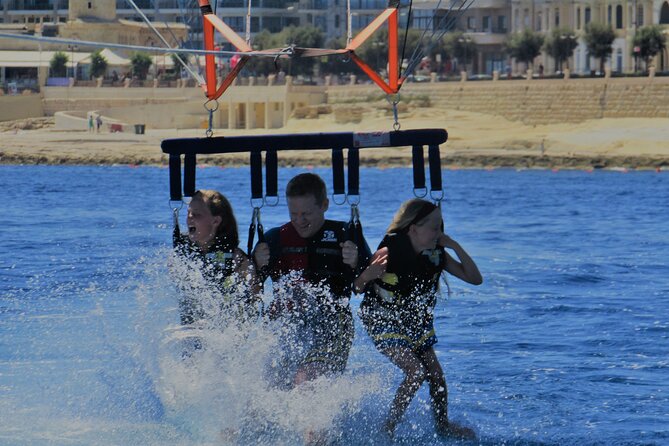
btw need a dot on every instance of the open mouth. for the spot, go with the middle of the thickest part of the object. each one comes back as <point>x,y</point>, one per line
<point>191,230</point>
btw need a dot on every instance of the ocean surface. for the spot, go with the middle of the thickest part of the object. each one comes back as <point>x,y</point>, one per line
<point>565,343</point>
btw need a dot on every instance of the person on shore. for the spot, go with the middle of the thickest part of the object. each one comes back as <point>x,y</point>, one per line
<point>312,264</point>
<point>98,122</point>
<point>401,285</point>
<point>229,289</point>
<point>90,123</point>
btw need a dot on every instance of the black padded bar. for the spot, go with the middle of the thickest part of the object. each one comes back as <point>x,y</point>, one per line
<point>418,167</point>
<point>353,172</point>
<point>304,141</point>
<point>175,177</point>
<point>338,172</point>
<point>271,174</point>
<point>435,168</point>
<point>189,174</point>
<point>256,175</point>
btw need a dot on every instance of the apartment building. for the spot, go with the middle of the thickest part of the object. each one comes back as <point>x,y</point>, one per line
<point>487,22</point>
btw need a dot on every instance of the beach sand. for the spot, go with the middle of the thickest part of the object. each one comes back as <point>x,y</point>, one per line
<point>475,140</point>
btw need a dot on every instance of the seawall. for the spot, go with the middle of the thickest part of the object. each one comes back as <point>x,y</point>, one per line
<point>543,101</point>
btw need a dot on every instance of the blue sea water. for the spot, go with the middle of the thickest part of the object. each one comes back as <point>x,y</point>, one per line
<point>566,342</point>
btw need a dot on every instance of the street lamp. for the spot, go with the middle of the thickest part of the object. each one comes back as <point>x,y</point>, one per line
<point>465,43</point>
<point>72,49</point>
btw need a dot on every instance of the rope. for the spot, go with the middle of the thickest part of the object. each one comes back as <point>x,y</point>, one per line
<point>248,23</point>
<point>165,42</point>
<point>445,24</point>
<point>82,43</point>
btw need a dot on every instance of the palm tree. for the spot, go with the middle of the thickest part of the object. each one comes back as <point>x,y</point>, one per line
<point>649,40</point>
<point>599,40</point>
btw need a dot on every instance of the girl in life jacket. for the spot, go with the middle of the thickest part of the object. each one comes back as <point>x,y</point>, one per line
<point>217,278</point>
<point>401,285</point>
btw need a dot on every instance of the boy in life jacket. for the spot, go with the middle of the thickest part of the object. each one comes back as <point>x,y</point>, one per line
<point>401,286</point>
<point>312,263</point>
<point>217,278</point>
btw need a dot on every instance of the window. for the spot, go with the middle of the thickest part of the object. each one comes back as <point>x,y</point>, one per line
<point>526,18</point>
<point>619,17</point>
<point>90,5</point>
<point>487,26</point>
<point>539,21</point>
<point>501,24</point>
<point>557,17</point>
<point>578,18</point>
<point>471,23</point>
<point>664,13</point>
<point>516,21</point>
<point>587,15</point>
<point>609,15</point>
<point>336,20</point>
<point>422,19</point>
<point>639,15</point>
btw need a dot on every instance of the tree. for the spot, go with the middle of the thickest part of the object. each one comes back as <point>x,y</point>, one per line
<point>98,64</point>
<point>460,46</point>
<point>649,40</point>
<point>525,46</point>
<point>560,46</point>
<point>599,40</point>
<point>141,62</point>
<point>58,64</point>
<point>185,58</point>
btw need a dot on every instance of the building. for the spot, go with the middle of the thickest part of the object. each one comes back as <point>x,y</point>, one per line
<point>488,23</point>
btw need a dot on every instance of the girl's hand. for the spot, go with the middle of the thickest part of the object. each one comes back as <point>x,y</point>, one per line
<point>376,268</point>
<point>377,265</point>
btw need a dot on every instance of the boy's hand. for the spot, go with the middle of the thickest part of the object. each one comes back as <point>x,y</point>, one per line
<point>349,253</point>
<point>261,255</point>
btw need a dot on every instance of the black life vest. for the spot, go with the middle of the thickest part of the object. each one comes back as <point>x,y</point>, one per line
<point>318,258</point>
<point>410,279</point>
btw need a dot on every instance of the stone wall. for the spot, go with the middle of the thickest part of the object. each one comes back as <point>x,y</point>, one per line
<point>539,101</point>
<point>20,106</point>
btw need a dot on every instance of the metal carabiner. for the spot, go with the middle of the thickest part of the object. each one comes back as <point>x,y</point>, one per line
<point>209,132</point>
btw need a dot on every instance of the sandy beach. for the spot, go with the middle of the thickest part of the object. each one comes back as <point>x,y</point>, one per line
<point>475,140</point>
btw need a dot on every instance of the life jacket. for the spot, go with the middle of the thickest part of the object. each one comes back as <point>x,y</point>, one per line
<point>217,267</point>
<point>410,280</point>
<point>318,258</point>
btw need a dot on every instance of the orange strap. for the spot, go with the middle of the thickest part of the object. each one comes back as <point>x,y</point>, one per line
<point>211,23</point>
<point>394,83</point>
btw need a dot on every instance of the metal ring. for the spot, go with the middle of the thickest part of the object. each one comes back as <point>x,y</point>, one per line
<point>419,188</point>
<point>174,208</point>
<point>334,200</point>
<point>396,126</point>
<point>209,133</point>
<point>262,203</point>
<point>441,197</point>
<point>213,109</point>
<point>353,202</point>
<point>272,203</point>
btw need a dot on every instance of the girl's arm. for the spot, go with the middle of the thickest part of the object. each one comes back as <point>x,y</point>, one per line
<point>245,268</point>
<point>465,269</point>
<point>377,267</point>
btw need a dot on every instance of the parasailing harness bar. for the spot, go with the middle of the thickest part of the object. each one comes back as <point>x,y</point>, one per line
<point>189,148</point>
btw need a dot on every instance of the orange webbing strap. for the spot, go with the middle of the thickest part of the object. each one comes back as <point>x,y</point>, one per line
<point>389,15</point>
<point>211,23</point>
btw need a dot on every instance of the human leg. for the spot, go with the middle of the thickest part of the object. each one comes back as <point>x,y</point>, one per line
<point>439,397</point>
<point>414,375</point>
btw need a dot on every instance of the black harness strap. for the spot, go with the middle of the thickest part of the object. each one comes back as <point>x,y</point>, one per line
<point>175,177</point>
<point>271,175</point>
<point>338,172</point>
<point>189,174</point>
<point>418,160</point>
<point>435,173</point>
<point>256,175</point>
<point>353,172</point>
